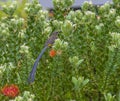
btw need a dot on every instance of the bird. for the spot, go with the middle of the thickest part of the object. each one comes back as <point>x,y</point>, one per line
<point>47,44</point>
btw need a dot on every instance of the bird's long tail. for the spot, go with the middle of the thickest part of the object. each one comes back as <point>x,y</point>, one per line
<point>32,73</point>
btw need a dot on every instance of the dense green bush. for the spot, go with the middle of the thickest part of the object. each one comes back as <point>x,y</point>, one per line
<point>87,64</point>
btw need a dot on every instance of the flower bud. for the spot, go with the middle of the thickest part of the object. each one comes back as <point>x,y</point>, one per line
<point>86,5</point>
<point>105,8</point>
<point>112,13</point>
<point>47,30</point>
<point>71,14</point>
<point>26,9</point>
<point>75,61</point>
<point>78,14</point>
<point>24,49</point>
<point>65,45</point>
<point>3,25</point>
<point>67,27</point>
<point>4,6</point>
<point>57,45</point>
<point>11,7</point>
<point>21,34</point>
<point>90,15</point>
<point>109,97</point>
<point>117,22</point>
<point>11,66</point>
<point>19,98</point>
<point>57,24</point>
<point>60,45</point>
<point>32,96</point>
<point>38,6</point>
<point>5,32</point>
<point>26,93</point>
<point>99,27</point>
<point>115,38</point>
<point>20,22</point>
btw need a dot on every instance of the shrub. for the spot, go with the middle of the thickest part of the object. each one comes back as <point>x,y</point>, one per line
<point>85,65</point>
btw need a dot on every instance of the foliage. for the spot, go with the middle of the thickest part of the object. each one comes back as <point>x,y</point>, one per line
<point>86,65</point>
<point>19,11</point>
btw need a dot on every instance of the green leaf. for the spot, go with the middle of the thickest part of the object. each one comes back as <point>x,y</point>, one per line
<point>74,80</point>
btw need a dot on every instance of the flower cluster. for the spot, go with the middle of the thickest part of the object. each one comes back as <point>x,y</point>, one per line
<point>26,96</point>
<point>10,9</point>
<point>33,8</point>
<point>4,30</point>
<point>87,6</point>
<point>117,22</point>
<point>62,4</point>
<point>67,27</point>
<point>17,22</point>
<point>52,53</point>
<point>24,49</point>
<point>115,38</point>
<point>75,61</point>
<point>57,24</point>
<point>104,9</point>
<point>10,90</point>
<point>60,45</point>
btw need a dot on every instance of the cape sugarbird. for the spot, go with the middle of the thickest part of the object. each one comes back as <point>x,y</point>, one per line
<point>48,43</point>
